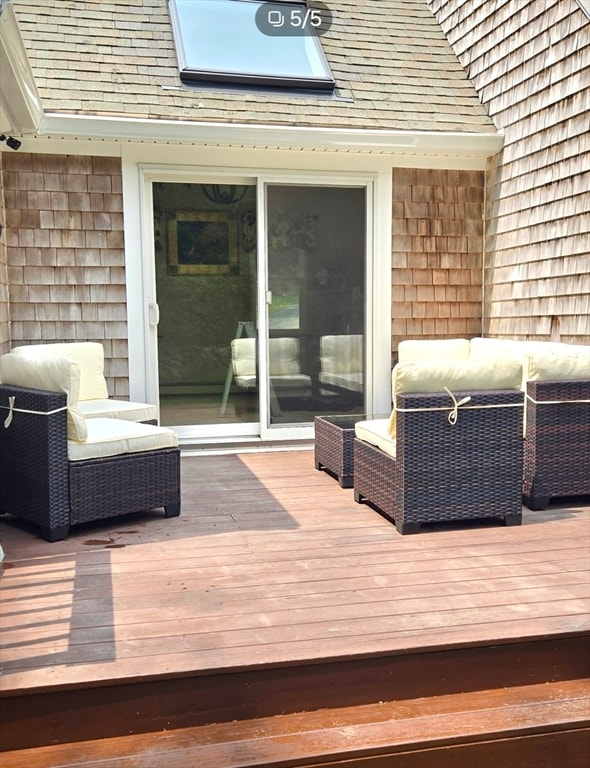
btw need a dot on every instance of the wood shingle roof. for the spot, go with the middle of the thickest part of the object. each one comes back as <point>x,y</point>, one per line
<point>393,65</point>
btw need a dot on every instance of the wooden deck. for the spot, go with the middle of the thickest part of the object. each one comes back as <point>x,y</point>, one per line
<point>273,571</point>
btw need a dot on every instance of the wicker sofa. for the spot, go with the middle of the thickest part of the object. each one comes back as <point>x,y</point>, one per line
<point>451,449</point>
<point>556,424</point>
<point>59,468</point>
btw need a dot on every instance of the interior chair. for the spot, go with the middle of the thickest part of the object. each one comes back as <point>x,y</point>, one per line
<point>342,364</point>
<point>93,399</point>
<point>286,379</point>
<point>452,448</point>
<point>59,469</point>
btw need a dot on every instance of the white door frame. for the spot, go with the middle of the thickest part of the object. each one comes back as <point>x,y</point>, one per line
<point>141,283</point>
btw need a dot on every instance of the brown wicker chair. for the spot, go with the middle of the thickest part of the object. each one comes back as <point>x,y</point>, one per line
<point>444,471</point>
<point>40,484</point>
<point>557,441</point>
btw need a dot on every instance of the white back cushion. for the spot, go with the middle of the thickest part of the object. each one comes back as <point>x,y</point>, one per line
<point>419,350</point>
<point>89,355</point>
<point>52,374</point>
<point>558,366</point>
<point>483,348</point>
<point>243,356</point>
<point>455,375</point>
<point>458,375</point>
<point>341,354</point>
<point>283,356</point>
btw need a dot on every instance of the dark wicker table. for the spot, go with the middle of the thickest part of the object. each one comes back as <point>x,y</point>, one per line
<point>334,446</point>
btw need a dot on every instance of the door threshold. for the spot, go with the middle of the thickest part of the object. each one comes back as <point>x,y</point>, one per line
<point>221,446</point>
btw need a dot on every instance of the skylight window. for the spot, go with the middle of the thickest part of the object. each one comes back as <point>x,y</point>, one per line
<point>237,41</point>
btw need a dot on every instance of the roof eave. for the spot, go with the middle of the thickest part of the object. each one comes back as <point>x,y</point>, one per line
<point>20,105</point>
<point>374,141</point>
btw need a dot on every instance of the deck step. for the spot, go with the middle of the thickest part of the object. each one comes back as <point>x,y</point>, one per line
<point>171,703</point>
<point>539,725</point>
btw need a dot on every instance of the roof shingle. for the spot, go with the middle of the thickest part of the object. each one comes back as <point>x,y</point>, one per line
<point>393,66</point>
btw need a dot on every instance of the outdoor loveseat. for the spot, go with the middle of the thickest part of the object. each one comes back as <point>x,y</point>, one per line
<point>59,468</point>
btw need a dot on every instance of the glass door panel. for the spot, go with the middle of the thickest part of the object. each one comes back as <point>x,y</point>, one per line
<point>316,245</point>
<point>206,286</point>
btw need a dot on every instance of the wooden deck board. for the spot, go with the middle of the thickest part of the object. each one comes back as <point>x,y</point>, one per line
<point>271,562</point>
<point>384,728</point>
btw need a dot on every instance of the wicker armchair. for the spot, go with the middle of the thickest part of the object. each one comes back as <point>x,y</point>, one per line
<point>454,455</point>
<point>59,469</point>
<point>557,441</point>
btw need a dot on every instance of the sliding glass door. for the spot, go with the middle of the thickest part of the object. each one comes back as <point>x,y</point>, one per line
<point>260,304</point>
<point>315,299</point>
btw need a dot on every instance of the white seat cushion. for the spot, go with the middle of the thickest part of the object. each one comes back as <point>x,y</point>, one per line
<point>350,381</point>
<point>376,432</point>
<point>112,437</point>
<point>296,381</point>
<point>117,409</point>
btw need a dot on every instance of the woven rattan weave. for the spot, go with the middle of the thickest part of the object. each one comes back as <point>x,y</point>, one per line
<point>39,484</point>
<point>444,472</point>
<point>557,444</point>
<point>334,446</point>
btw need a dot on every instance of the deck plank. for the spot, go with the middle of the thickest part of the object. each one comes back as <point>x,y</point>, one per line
<point>270,562</point>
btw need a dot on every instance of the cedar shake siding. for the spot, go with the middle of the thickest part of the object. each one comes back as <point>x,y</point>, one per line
<point>436,254</point>
<point>65,256</point>
<point>529,63</point>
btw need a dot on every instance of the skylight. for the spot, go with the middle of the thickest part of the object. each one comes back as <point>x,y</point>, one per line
<point>248,42</point>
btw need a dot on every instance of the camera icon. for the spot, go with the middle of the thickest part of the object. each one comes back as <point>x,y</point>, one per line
<point>294,19</point>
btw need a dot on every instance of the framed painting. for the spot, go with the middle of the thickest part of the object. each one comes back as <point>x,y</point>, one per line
<point>202,243</point>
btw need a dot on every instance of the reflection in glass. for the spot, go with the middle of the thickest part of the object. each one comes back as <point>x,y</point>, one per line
<point>316,273</point>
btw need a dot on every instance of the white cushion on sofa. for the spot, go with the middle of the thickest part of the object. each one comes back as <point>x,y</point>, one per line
<point>376,432</point>
<point>117,409</point>
<point>558,366</point>
<point>421,350</point>
<point>89,355</point>
<point>483,348</point>
<point>51,374</point>
<point>111,437</point>
<point>455,375</point>
<point>546,353</point>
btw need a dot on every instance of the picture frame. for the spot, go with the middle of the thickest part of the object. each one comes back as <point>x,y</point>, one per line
<point>202,243</point>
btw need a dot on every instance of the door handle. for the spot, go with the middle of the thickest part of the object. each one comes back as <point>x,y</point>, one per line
<point>154,314</point>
